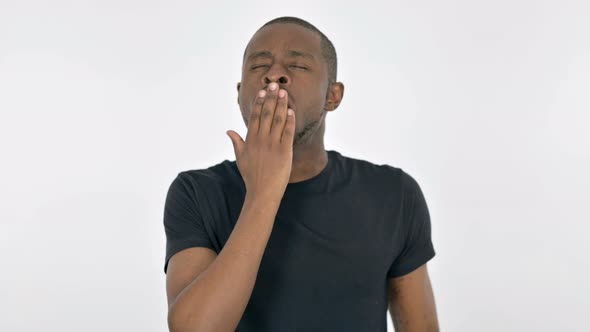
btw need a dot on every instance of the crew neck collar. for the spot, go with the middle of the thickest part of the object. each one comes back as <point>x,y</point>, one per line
<point>316,184</point>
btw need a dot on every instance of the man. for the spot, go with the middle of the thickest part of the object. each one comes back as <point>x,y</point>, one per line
<point>291,237</point>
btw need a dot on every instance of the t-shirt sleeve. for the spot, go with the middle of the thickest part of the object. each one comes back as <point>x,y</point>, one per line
<point>417,248</point>
<point>183,223</point>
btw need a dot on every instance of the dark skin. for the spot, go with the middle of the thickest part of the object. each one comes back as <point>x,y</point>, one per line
<point>207,291</point>
<point>291,56</point>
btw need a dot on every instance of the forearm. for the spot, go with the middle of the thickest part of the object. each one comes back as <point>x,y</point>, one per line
<point>216,300</point>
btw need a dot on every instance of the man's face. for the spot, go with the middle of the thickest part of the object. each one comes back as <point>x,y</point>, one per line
<point>291,56</point>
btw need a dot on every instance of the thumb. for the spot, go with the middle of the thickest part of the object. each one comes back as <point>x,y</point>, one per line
<point>236,141</point>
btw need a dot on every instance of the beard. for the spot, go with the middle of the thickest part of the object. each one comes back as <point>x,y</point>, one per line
<point>305,134</point>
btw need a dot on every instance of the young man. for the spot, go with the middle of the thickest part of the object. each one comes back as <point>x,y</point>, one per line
<point>289,236</point>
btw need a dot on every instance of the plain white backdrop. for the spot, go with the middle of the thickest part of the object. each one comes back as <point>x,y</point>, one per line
<point>485,103</point>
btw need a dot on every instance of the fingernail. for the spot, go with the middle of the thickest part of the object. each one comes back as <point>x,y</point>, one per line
<point>273,86</point>
<point>282,93</point>
<point>261,93</point>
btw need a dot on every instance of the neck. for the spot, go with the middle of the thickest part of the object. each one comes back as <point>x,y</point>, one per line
<point>309,156</point>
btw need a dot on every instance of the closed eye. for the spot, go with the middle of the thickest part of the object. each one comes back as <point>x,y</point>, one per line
<point>259,66</point>
<point>298,67</point>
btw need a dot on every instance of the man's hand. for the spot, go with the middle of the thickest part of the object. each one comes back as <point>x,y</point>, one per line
<point>265,158</point>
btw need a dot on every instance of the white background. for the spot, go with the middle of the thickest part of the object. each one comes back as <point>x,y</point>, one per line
<point>485,103</point>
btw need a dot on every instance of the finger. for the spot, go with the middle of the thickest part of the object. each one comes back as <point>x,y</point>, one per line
<point>254,121</point>
<point>268,109</point>
<point>289,131</point>
<point>278,122</point>
<point>236,141</point>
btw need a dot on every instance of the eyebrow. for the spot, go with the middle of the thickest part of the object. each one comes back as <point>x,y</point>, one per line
<point>290,53</point>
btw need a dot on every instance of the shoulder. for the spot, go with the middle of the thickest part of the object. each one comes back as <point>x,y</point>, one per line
<point>223,172</point>
<point>387,175</point>
<point>368,169</point>
<point>221,176</point>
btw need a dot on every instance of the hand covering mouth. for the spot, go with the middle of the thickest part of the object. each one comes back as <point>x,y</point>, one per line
<point>290,103</point>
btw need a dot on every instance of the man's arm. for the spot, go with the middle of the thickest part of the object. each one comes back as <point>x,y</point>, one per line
<point>411,302</point>
<point>217,297</point>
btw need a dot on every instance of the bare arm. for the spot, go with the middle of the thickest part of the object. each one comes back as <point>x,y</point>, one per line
<point>215,300</point>
<point>411,302</point>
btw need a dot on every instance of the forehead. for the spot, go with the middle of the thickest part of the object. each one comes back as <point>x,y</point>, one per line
<point>283,37</point>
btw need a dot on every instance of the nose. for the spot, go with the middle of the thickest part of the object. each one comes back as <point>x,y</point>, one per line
<point>276,73</point>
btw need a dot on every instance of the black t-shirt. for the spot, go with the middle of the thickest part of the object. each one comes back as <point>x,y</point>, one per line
<point>337,239</point>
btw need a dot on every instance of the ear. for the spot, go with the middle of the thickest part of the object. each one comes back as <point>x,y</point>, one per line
<point>238,86</point>
<point>334,96</point>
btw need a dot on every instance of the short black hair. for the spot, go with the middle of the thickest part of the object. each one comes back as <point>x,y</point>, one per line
<point>328,50</point>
